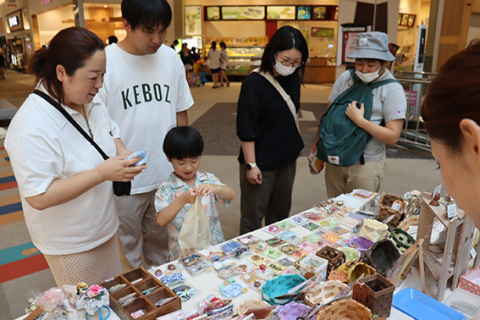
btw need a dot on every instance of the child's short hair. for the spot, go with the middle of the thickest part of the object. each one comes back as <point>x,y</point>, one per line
<point>183,142</point>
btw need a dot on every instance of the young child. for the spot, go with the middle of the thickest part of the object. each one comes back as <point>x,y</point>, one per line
<point>183,147</point>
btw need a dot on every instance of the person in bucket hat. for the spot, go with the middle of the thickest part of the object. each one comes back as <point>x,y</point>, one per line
<point>385,125</point>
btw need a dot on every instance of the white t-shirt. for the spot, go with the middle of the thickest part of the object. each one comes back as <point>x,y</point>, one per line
<point>389,103</point>
<point>223,59</point>
<point>214,58</point>
<point>143,95</point>
<point>43,147</point>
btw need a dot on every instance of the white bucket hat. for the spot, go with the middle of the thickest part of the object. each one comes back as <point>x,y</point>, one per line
<point>372,45</point>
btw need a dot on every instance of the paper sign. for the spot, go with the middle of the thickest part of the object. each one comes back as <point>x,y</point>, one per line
<point>452,210</point>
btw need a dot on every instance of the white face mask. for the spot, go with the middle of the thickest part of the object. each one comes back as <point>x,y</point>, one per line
<point>284,70</point>
<point>368,77</point>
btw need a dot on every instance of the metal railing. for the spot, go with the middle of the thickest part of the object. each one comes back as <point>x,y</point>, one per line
<point>414,135</point>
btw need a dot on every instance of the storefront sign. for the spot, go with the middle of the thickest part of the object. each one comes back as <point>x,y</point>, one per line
<point>193,20</point>
<point>15,21</point>
<point>304,13</point>
<point>44,2</point>
<point>322,32</point>
<point>11,3</point>
<point>213,13</point>
<point>243,12</point>
<point>281,12</point>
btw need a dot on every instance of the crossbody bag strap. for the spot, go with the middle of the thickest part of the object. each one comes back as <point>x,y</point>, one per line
<point>284,95</point>
<point>280,90</point>
<point>71,120</point>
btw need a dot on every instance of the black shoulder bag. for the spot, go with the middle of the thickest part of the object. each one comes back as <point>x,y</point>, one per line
<point>119,188</point>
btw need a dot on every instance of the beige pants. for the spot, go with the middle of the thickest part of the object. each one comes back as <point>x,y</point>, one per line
<point>366,176</point>
<point>143,241</point>
<point>92,266</point>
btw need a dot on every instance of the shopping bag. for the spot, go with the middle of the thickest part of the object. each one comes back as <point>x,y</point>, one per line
<point>195,234</point>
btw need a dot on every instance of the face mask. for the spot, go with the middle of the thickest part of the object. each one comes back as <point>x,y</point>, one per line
<point>284,70</point>
<point>368,77</point>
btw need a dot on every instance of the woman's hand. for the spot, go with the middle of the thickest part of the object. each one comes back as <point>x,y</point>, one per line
<point>119,169</point>
<point>254,176</point>
<point>356,114</point>
<point>206,189</point>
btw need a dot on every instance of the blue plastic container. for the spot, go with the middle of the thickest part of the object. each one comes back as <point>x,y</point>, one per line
<point>419,306</point>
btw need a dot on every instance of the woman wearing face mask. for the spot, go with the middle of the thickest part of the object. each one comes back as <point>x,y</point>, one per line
<point>268,131</point>
<point>385,125</point>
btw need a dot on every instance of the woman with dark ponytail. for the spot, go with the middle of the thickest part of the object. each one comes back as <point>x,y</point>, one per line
<point>64,183</point>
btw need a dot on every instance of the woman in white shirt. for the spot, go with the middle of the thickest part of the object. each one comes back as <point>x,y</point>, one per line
<point>214,63</point>
<point>65,184</point>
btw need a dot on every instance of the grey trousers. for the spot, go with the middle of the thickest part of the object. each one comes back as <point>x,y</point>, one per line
<point>271,200</point>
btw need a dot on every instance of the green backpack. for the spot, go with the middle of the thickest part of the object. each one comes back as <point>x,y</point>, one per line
<point>341,141</point>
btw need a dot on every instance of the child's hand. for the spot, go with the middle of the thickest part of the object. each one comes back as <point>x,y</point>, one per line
<point>206,189</point>
<point>189,196</point>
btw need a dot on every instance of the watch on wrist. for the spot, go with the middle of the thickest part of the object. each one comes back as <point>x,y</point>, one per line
<point>250,166</point>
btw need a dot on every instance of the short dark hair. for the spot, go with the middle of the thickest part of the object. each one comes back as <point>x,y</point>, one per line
<point>452,96</point>
<point>223,45</point>
<point>285,38</point>
<point>147,13</point>
<point>71,48</point>
<point>183,142</point>
<point>112,39</point>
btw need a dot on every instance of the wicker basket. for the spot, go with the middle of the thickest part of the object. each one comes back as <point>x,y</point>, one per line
<point>251,304</point>
<point>408,222</point>
<point>323,292</point>
<point>350,253</point>
<point>334,257</point>
<point>344,310</point>
<point>386,202</point>
<point>292,311</point>
<point>401,239</point>
<point>355,270</point>
<point>376,293</point>
<point>381,256</point>
<point>373,230</point>
<point>280,286</point>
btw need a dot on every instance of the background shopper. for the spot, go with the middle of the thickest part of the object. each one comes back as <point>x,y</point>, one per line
<point>223,64</point>
<point>214,63</point>
<point>186,56</point>
<point>146,93</point>
<point>269,134</point>
<point>385,125</point>
<point>64,183</point>
<point>451,114</point>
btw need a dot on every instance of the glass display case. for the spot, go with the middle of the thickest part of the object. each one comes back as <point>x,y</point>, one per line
<point>241,60</point>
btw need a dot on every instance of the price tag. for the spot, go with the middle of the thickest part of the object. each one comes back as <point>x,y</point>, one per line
<point>437,189</point>
<point>396,205</point>
<point>452,210</point>
<point>473,253</point>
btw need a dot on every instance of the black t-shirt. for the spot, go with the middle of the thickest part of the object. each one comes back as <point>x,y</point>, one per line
<point>264,117</point>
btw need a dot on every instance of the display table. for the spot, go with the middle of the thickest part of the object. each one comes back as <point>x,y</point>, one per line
<point>208,282</point>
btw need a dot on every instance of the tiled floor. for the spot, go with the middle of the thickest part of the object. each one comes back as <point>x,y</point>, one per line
<point>402,175</point>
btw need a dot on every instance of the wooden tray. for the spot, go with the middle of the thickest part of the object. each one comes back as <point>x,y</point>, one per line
<point>138,280</point>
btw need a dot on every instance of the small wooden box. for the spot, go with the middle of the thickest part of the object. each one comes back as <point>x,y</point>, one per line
<point>376,293</point>
<point>334,257</point>
<point>138,280</point>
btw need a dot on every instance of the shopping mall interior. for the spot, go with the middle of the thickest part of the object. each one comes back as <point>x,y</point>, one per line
<point>421,37</point>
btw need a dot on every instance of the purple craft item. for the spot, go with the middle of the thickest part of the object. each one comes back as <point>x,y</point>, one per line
<point>293,310</point>
<point>361,244</point>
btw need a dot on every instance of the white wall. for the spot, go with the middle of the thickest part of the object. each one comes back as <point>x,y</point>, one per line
<point>49,23</point>
<point>474,29</point>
